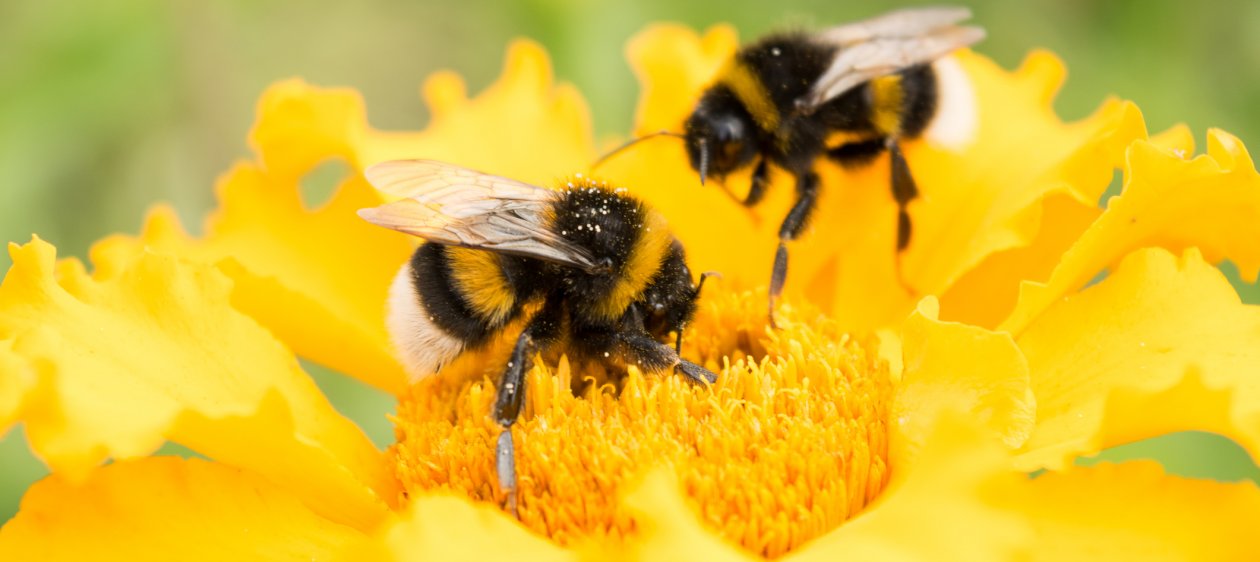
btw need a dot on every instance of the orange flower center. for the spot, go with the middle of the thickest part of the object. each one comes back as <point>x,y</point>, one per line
<point>787,445</point>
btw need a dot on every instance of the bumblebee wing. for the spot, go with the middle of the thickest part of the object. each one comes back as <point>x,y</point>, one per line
<point>885,45</point>
<point>898,23</point>
<point>450,205</point>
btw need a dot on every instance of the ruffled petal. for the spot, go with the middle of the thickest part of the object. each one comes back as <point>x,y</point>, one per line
<point>988,193</point>
<point>1099,359</point>
<point>1211,202</point>
<point>165,508</point>
<point>673,65</point>
<point>986,295</point>
<point>524,126</point>
<point>986,198</point>
<point>318,278</point>
<point>949,366</point>
<point>666,528</point>
<point>962,502</point>
<point>1133,511</point>
<point>17,381</point>
<point>441,527</point>
<point>943,509</point>
<point>541,131</point>
<point>158,353</point>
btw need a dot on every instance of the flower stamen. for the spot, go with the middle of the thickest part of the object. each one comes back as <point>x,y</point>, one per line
<point>788,444</point>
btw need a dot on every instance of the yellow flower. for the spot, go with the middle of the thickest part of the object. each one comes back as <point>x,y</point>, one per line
<point>817,442</point>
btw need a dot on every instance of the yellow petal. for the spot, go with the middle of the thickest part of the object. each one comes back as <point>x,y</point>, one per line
<point>164,508</point>
<point>944,509</point>
<point>1211,202</point>
<point>979,198</point>
<point>673,65</point>
<point>158,353</point>
<point>1139,331</point>
<point>1178,138</point>
<point>1133,511</point>
<point>17,380</point>
<point>952,366</point>
<point>1189,404</point>
<point>448,528</point>
<point>984,199</point>
<point>523,126</point>
<point>666,528</point>
<point>317,279</point>
<point>300,126</point>
<point>986,295</point>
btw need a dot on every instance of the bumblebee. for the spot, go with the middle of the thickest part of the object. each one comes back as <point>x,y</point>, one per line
<point>598,269</point>
<point>779,99</point>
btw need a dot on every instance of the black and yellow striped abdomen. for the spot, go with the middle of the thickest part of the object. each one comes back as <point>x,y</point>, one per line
<point>464,291</point>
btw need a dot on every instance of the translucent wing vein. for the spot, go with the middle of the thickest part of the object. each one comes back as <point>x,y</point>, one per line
<point>448,204</point>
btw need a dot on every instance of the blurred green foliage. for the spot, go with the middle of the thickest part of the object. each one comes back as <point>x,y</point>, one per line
<point>106,107</point>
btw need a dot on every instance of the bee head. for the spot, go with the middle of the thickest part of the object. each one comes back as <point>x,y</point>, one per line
<point>719,140</point>
<point>670,301</point>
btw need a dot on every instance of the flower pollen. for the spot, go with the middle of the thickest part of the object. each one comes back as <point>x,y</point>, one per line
<point>787,445</point>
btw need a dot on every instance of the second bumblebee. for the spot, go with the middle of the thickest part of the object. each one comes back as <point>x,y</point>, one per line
<point>779,100</point>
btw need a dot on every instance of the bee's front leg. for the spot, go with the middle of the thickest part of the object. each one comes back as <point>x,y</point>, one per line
<point>760,180</point>
<point>638,348</point>
<point>635,346</point>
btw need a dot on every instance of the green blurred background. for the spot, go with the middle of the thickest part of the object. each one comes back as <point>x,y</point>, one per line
<point>106,107</point>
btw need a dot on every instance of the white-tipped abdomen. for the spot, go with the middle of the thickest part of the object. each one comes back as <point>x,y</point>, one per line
<point>420,344</point>
<point>957,117</point>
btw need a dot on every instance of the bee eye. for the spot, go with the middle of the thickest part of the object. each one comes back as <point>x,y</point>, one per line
<point>729,130</point>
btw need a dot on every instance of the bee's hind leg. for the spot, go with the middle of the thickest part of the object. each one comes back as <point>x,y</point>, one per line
<point>793,224</point>
<point>857,153</point>
<point>541,330</point>
<point>904,190</point>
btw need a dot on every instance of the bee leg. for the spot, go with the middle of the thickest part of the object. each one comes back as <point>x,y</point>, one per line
<point>642,350</point>
<point>857,153</point>
<point>695,295</point>
<point>793,224</point>
<point>507,406</point>
<point>760,180</point>
<point>511,393</point>
<point>904,190</point>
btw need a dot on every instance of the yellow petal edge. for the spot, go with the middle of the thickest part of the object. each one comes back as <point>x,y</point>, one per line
<point>156,353</point>
<point>165,508</point>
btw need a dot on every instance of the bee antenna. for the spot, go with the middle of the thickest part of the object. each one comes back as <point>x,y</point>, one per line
<point>704,159</point>
<point>631,143</point>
